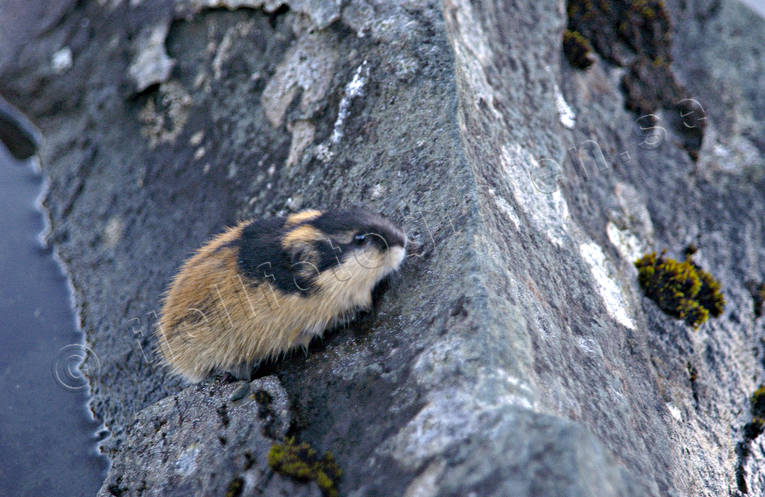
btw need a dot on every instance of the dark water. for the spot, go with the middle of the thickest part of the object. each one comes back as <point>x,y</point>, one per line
<point>47,436</point>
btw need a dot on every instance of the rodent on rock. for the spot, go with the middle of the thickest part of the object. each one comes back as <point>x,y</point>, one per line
<point>266,286</point>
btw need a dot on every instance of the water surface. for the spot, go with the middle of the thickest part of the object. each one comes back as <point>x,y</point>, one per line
<point>47,437</point>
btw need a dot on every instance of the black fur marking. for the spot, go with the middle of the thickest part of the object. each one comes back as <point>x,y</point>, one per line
<point>262,258</point>
<point>361,221</point>
<point>330,254</point>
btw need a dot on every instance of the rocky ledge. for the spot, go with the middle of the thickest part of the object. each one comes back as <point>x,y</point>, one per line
<point>515,353</point>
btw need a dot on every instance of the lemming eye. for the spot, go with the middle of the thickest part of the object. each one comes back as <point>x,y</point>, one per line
<point>359,238</point>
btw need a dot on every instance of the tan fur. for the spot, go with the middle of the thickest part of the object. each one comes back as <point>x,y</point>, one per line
<point>301,235</point>
<point>213,318</point>
<point>302,216</point>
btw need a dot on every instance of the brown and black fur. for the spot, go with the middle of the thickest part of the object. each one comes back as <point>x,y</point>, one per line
<point>264,287</point>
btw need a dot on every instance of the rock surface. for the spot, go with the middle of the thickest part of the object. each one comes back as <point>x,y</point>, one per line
<point>514,354</point>
<point>202,440</point>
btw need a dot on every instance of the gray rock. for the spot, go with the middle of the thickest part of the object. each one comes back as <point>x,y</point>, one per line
<point>514,354</point>
<point>197,443</point>
<point>150,65</point>
<point>322,12</point>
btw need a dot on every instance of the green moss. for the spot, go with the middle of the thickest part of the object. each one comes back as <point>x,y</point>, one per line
<point>301,462</point>
<point>758,403</point>
<point>754,428</point>
<point>263,397</point>
<point>709,295</point>
<point>642,26</point>
<point>681,289</point>
<point>636,35</point>
<point>577,49</point>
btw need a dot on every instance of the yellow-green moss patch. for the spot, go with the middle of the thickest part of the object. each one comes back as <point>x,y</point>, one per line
<point>301,462</point>
<point>751,430</point>
<point>758,402</point>
<point>681,289</point>
<point>709,295</point>
<point>577,49</point>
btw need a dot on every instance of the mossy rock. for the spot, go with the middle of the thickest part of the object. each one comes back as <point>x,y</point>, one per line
<point>577,49</point>
<point>709,295</point>
<point>641,26</point>
<point>636,35</point>
<point>681,289</point>
<point>301,462</point>
<point>758,403</point>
